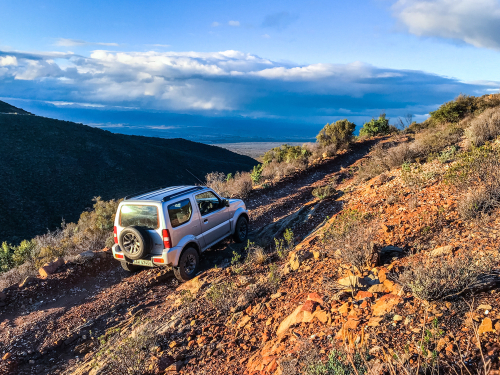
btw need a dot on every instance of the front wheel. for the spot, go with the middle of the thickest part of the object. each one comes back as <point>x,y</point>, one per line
<point>130,267</point>
<point>241,230</point>
<point>188,265</point>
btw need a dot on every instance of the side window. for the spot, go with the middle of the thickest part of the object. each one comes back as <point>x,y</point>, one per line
<point>180,212</point>
<point>207,202</point>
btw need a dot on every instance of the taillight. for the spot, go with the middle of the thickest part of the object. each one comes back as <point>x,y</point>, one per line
<point>115,234</point>
<point>119,256</point>
<point>167,244</point>
<point>158,260</point>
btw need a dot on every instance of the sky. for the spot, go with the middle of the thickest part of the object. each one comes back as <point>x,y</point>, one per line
<point>226,71</point>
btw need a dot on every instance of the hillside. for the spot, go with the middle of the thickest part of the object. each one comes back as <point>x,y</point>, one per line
<point>7,108</point>
<point>396,272</point>
<point>52,169</point>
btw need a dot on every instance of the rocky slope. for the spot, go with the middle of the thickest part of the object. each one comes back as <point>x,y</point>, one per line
<point>291,309</point>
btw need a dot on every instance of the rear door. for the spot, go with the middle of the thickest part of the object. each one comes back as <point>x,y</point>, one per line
<point>214,217</point>
<point>184,219</point>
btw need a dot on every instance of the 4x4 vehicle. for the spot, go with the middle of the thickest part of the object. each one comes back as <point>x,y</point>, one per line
<point>173,226</point>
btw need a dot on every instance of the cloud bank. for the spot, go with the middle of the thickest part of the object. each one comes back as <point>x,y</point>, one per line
<point>227,83</point>
<point>475,22</point>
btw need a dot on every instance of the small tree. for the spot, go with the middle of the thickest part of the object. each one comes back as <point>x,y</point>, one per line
<point>338,134</point>
<point>376,127</point>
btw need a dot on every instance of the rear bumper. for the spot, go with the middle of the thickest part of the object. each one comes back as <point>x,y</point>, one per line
<point>168,257</point>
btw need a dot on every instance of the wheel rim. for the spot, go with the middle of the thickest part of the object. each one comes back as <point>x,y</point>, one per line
<point>131,243</point>
<point>242,231</point>
<point>189,264</point>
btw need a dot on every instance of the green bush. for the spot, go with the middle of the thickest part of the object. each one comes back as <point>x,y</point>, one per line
<point>338,134</point>
<point>339,363</point>
<point>463,106</point>
<point>256,173</point>
<point>285,154</point>
<point>379,126</point>
<point>323,192</point>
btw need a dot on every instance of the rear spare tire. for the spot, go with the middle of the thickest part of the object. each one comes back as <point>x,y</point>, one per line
<point>188,265</point>
<point>135,242</point>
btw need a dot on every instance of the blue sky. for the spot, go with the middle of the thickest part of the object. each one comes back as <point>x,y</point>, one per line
<point>234,70</point>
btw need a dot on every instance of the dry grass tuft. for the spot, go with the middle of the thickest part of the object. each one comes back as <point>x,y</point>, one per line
<point>484,128</point>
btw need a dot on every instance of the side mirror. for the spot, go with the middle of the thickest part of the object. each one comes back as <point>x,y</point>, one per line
<point>226,202</point>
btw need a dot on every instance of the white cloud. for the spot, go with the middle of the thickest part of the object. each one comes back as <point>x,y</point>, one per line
<point>159,45</point>
<point>63,42</point>
<point>8,60</point>
<point>215,24</point>
<point>476,22</point>
<point>234,23</point>
<point>213,82</point>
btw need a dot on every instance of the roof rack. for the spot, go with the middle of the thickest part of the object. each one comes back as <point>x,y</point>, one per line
<point>143,192</point>
<point>178,194</point>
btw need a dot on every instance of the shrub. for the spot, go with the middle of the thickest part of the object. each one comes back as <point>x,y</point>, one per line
<point>274,278</point>
<point>323,192</point>
<point>339,363</point>
<point>349,238</point>
<point>445,277</point>
<point>255,253</point>
<point>284,245</point>
<point>484,128</point>
<point>222,296</point>
<point>455,110</point>
<point>338,134</point>
<point>286,154</point>
<point>256,173</point>
<point>237,186</point>
<point>379,126</point>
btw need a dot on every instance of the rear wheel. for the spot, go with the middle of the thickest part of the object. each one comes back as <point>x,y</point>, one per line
<point>188,265</point>
<point>130,267</point>
<point>241,230</point>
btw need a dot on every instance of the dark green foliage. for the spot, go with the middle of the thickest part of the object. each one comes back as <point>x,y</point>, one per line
<point>323,192</point>
<point>464,105</point>
<point>379,126</point>
<point>339,363</point>
<point>54,169</point>
<point>256,173</point>
<point>12,256</point>
<point>285,153</point>
<point>338,134</point>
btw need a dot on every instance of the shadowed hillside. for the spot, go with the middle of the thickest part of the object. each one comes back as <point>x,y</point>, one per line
<point>52,169</point>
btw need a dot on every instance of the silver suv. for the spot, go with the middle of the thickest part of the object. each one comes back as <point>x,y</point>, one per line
<point>173,226</point>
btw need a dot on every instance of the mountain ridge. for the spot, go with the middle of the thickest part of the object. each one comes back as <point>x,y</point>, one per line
<point>54,168</point>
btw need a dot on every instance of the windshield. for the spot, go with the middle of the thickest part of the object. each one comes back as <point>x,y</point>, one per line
<point>142,216</point>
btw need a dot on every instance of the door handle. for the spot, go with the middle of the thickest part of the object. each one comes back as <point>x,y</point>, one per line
<point>205,221</point>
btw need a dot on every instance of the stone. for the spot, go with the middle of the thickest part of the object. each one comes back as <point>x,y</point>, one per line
<point>382,275</point>
<point>164,362</point>
<point>173,344</point>
<point>485,327</point>
<point>440,251</point>
<point>353,282</point>
<point>323,316</point>
<point>298,257</point>
<point>194,285</point>
<point>27,281</point>
<point>485,307</point>
<point>363,294</point>
<point>377,288</point>
<point>315,297</point>
<point>374,321</point>
<point>86,255</point>
<point>276,295</point>
<point>244,321</point>
<point>344,309</point>
<point>397,318</point>
<point>303,313</point>
<point>441,344</point>
<point>316,254</point>
<point>6,356</point>
<point>385,304</point>
<point>352,323</point>
<point>50,268</point>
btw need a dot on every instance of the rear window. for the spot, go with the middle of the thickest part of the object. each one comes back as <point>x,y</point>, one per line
<point>142,216</point>
<point>180,212</point>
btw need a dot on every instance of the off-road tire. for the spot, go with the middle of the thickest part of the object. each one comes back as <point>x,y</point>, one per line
<point>135,242</point>
<point>241,230</point>
<point>130,267</point>
<point>189,262</point>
